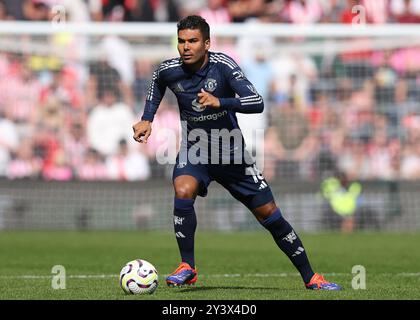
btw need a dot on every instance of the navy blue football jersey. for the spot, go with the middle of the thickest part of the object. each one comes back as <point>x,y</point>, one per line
<point>221,77</point>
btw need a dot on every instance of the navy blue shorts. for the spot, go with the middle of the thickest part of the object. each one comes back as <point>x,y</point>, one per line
<point>250,189</point>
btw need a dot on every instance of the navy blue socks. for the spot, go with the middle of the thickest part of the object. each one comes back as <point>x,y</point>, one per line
<point>288,241</point>
<point>185,223</point>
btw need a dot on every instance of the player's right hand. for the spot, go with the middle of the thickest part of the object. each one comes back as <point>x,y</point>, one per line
<point>142,131</point>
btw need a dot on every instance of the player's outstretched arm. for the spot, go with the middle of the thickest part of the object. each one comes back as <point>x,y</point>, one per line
<point>142,131</point>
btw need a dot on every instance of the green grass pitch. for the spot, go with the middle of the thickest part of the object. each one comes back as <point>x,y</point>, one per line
<point>240,266</point>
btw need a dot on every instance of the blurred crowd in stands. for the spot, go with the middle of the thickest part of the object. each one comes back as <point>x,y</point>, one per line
<point>355,112</point>
<point>215,11</point>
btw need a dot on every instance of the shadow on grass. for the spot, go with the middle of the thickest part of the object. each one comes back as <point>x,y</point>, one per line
<point>209,288</point>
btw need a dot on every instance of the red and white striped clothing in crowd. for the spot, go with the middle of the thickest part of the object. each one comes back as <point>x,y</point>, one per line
<point>20,98</point>
<point>304,14</point>
<point>218,16</point>
<point>75,150</point>
<point>376,11</point>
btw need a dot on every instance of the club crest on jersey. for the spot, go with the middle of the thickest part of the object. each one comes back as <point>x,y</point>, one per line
<point>178,220</point>
<point>197,106</point>
<point>210,85</point>
<point>290,237</point>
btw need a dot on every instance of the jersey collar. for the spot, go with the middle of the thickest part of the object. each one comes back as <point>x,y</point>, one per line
<point>203,71</point>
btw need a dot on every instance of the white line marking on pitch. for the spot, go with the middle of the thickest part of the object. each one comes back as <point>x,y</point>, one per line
<point>227,275</point>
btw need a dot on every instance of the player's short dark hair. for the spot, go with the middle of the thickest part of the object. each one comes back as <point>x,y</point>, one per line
<point>195,22</point>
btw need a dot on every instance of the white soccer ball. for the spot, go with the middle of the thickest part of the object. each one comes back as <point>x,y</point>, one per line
<point>139,277</point>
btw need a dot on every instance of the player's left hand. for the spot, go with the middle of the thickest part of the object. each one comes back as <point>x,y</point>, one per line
<point>208,100</point>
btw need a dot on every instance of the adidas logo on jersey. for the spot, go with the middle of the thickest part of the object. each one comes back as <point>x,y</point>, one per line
<point>179,234</point>
<point>178,88</point>
<point>263,185</point>
<point>298,252</point>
